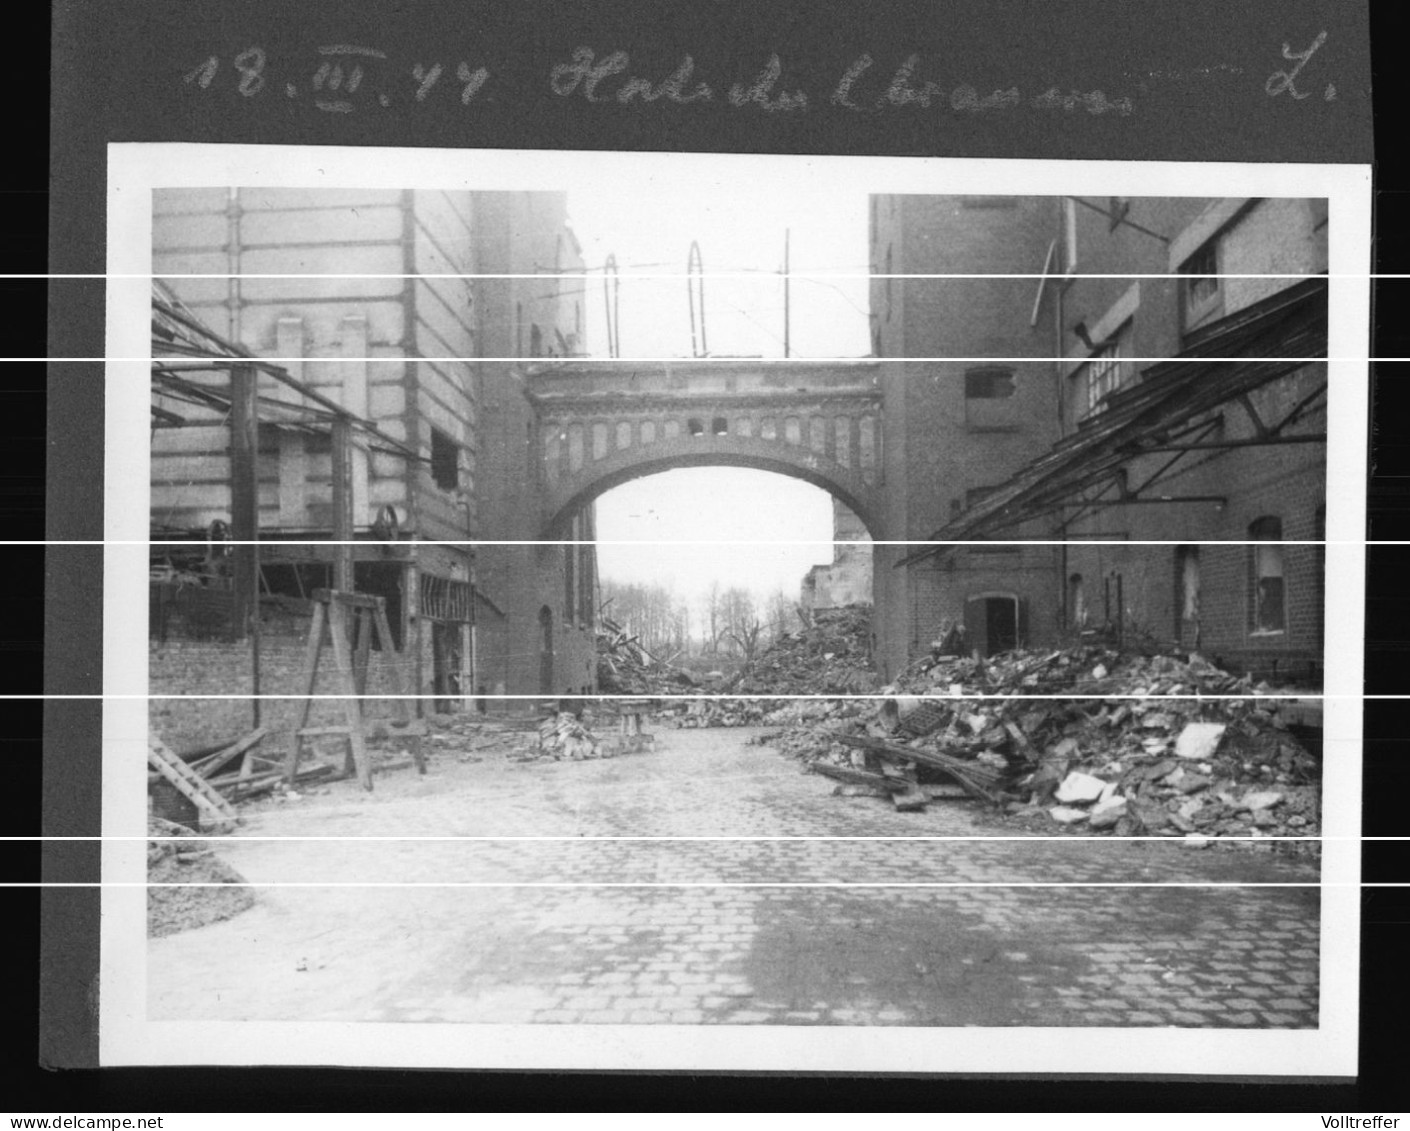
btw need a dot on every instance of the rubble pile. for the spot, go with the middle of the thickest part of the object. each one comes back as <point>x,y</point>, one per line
<point>178,858</point>
<point>722,712</point>
<point>564,738</point>
<point>832,656</point>
<point>624,667</point>
<point>1180,765</point>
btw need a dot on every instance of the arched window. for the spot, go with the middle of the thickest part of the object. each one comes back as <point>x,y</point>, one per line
<point>1187,596</point>
<point>1267,598</point>
<point>1077,601</point>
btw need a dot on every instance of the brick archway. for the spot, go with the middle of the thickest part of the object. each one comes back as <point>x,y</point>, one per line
<point>603,424</point>
<point>575,492</point>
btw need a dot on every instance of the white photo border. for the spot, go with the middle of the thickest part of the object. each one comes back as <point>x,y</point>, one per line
<point>126,1037</point>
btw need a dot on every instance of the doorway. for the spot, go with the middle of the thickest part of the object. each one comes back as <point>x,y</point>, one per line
<point>546,651</point>
<point>446,663</point>
<point>991,623</point>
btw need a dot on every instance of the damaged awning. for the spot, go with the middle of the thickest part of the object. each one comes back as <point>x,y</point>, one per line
<point>1169,411</point>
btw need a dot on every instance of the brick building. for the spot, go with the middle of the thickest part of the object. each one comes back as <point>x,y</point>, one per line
<point>390,325</point>
<point>956,427</point>
<point>1189,407</point>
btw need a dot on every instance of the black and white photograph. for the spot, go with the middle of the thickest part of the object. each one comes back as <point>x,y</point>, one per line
<point>682,611</point>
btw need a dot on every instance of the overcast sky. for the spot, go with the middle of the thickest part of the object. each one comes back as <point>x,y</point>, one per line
<point>739,232</point>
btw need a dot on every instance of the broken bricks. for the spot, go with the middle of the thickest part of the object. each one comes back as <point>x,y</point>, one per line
<point>1213,757</point>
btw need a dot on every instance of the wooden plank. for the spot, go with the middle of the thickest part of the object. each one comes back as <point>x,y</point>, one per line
<point>398,677</point>
<point>357,743</point>
<point>968,774</point>
<point>347,598</point>
<point>908,797</point>
<point>312,651</point>
<point>858,777</point>
<point>214,763</point>
<point>212,806</point>
<point>362,650</point>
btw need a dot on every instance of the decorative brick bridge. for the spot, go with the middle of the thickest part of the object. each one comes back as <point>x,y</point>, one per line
<point>602,424</point>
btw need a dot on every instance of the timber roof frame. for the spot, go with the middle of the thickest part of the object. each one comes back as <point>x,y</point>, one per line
<point>1171,409</point>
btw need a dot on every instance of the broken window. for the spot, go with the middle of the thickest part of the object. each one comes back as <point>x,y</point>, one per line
<point>1104,373</point>
<point>988,384</point>
<point>695,427</point>
<point>445,460</point>
<point>719,426</point>
<point>989,402</point>
<point>1267,600</point>
<point>1200,290</point>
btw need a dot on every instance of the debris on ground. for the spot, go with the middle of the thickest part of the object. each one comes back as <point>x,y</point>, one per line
<point>624,667</point>
<point>473,737</point>
<point>1141,748</point>
<point>831,656</point>
<point>564,738</point>
<point>183,858</point>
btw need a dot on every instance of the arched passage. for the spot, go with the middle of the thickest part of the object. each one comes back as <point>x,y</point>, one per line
<point>571,493</point>
<point>716,561</point>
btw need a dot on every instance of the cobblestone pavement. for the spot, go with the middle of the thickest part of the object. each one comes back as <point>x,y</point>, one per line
<point>583,930</point>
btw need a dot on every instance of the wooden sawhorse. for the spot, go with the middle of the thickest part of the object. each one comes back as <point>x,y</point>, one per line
<point>349,619</point>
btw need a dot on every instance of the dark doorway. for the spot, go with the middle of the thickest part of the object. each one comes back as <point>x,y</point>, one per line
<point>546,651</point>
<point>385,580</point>
<point>445,661</point>
<point>991,623</point>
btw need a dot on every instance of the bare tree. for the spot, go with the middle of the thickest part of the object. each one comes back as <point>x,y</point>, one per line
<point>714,617</point>
<point>648,612</point>
<point>747,637</point>
<point>737,614</point>
<point>779,617</point>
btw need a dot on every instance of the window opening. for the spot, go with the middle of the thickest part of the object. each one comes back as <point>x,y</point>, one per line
<point>988,384</point>
<point>1187,586</point>
<point>1104,375</point>
<point>445,460</point>
<point>1268,599</point>
<point>1201,284</point>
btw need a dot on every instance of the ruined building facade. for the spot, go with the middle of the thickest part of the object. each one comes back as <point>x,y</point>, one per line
<point>395,320</point>
<point>1104,427</point>
<point>1188,407</point>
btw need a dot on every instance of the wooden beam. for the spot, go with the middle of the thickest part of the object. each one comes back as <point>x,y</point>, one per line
<point>244,498</point>
<point>342,506</point>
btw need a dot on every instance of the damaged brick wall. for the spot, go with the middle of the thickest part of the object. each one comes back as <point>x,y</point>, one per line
<point>199,668</point>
